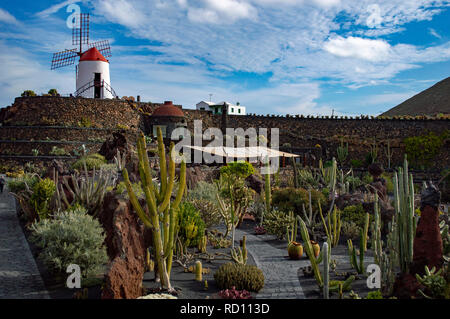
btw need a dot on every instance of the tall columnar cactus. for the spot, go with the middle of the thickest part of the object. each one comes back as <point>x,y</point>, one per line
<point>342,152</point>
<point>329,176</point>
<point>377,243</point>
<point>198,270</point>
<point>404,215</point>
<point>333,228</point>
<point>268,194</point>
<point>294,168</point>
<point>359,267</point>
<point>389,153</point>
<point>291,230</point>
<point>161,217</point>
<point>326,271</point>
<point>310,217</point>
<point>310,252</point>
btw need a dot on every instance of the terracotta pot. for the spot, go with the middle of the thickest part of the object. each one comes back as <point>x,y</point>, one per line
<point>316,248</point>
<point>295,250</point>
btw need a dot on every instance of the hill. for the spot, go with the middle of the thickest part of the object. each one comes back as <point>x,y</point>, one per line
<point>432,101</point>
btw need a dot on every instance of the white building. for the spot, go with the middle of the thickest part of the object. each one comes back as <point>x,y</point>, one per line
<point>93,79</point>
<point>216,108</point>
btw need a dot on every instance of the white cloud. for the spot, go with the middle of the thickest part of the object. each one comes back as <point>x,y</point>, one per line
<point>352,47</point>
<point>295,41</point>
<point>6,17</point>
<point>220,11</point>
<point>55,8</point>
<point>122,12</point>
<point>434,33</point>
<point>21,71</point>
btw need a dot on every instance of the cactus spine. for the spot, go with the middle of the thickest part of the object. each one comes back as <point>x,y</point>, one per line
<point>310,252</point>
<point>326,271</point>
<point>404,214</point>
<point>198,270</point>
<point>161,216</point>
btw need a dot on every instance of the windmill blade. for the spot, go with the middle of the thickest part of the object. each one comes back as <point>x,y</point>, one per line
<point>63,58</point>
<point>80,33</point>
<point>102,46</point>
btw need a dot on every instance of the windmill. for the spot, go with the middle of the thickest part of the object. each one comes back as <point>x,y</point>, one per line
<point>92,71</point>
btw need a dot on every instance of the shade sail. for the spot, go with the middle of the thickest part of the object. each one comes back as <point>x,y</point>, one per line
<point>242,152</point>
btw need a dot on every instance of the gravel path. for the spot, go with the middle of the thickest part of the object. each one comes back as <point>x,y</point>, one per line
<point>19,275</point>
<point>281,273</point>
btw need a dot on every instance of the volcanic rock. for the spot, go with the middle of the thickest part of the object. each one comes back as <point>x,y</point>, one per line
<point>127,241</point>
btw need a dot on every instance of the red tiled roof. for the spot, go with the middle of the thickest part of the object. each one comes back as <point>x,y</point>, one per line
<point>92,55</point>
<point>168,109</point>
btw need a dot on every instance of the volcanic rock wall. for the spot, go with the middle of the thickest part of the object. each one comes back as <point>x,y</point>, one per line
<point>297,133</point>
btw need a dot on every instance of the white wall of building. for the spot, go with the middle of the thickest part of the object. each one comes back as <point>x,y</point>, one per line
<point>232,108</point>
<point>86,72</point>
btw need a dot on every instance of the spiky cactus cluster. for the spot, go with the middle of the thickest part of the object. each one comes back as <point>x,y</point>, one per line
<point>240,255</point>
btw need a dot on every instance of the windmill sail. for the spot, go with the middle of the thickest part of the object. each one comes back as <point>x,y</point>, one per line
<point>63,58</point>
<point>102,46</point>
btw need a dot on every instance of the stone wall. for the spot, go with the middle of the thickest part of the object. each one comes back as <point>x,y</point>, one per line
<point>70,111</point>
<point>298,134</point>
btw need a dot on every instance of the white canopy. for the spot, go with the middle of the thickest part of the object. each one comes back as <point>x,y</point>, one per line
<point>243,152</point>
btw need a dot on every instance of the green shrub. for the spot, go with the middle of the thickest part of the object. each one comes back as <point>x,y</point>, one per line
<point>208,210</point>
<point>53,92</point>
<point>389,182</point>
<point>422,150</point>
<point>92,161</point>
<point>354,182</point>
<point>291,199</point>
<point>350,230</point>
<point>58,151</point>
<point>85,122</point>
<point>191,227</point>
<point>367,178</point>
<point>43,191</point>
<point>17,185</point>
<point>240,169</point>
<point>355,214</point>
<point>374,295</point>
<point>240,276</point>
<point>356,163</point>
<point>275,222</point>
<point>27,93</point>
<point>70,238</point>
<point>203,190</point>
<point>121,189</point>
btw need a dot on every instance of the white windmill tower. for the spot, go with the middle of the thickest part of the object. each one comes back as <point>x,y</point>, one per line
<point>92,73</point>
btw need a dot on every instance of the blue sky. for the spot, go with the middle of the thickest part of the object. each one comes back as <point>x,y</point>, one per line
<point>273,56</point>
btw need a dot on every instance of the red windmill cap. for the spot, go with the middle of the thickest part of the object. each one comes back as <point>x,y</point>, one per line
<point>92,55</point>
